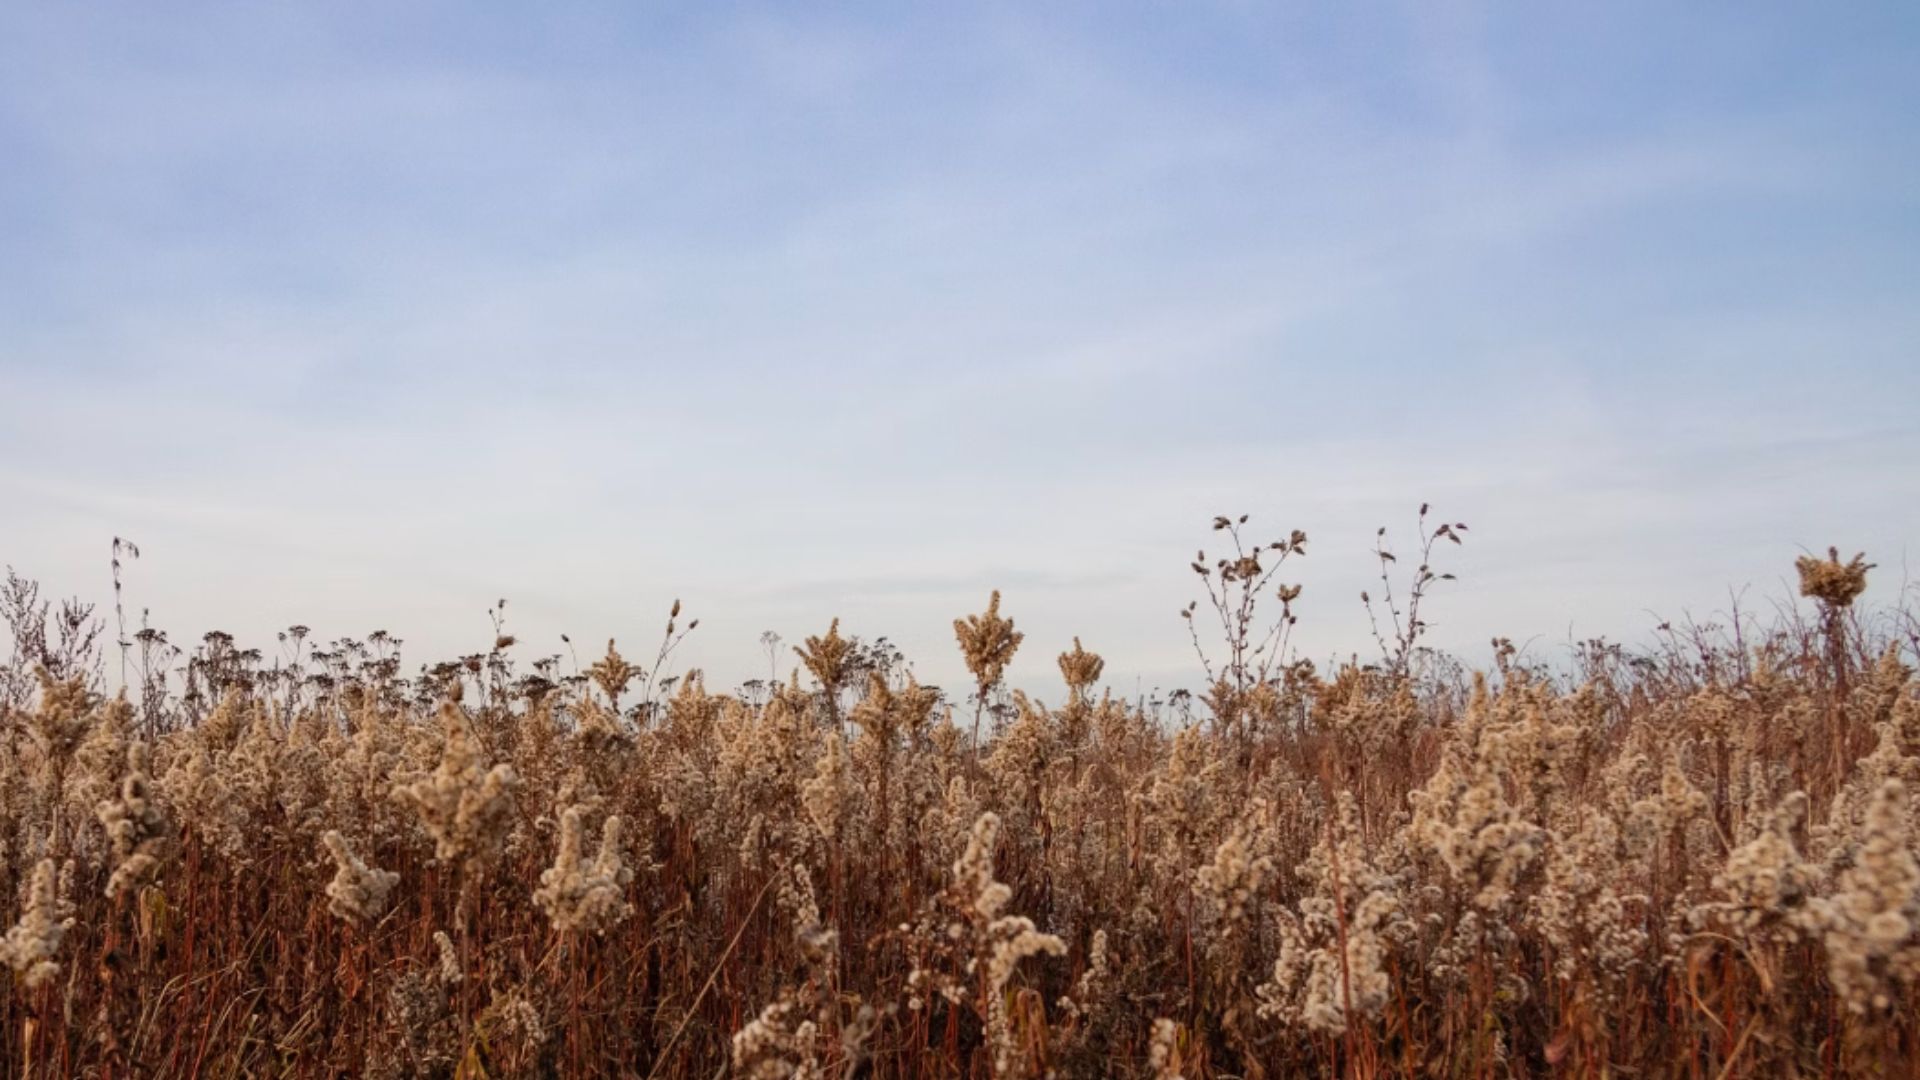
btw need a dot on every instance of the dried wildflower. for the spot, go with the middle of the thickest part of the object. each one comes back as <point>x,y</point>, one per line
<point>1503,880</point>
<point>64,717</point>
<point>974,870</point>
<point>1081,669</point>
<point>1463,813</point>
<point>135,826</point>
<point>1578,911</point>
<point>578,895</point>
<point>777,1046</point>
<point>1872,920</point>
<point>33,942</point>
<point>1183,800</point>
<point>202,792</point>
<point>515,1021</point>
<point>99,765</point>
<point>1090,991</point>
<point>1678,804</point>
<point>825,796</point>
<point>611,673</point>
<point>1007,939</point>
<point>884,716</point>
<point>1315,981</point>
<point>1830,581</point>
<point>463,804</point>
<point>425,1023</point>
<point>450,973</point>
<point>600,732</point>
<point>826,657</point>
<point>1233,878</point>
<point>1014,939</point>
<point>1163,1053</point>
<point>987,642</point>
<point>819,945</point>
<point>854,1036</point>
<point>1020,760</point>
<point>1766,883</point>
<point>794,894</point>
<point>358,892</point>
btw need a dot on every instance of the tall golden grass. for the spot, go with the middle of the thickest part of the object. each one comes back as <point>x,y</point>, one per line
<point>1691,859</point>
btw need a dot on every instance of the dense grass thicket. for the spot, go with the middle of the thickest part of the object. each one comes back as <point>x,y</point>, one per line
<point>1691,859</point>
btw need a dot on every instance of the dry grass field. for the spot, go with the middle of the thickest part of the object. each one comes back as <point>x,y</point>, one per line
<point>1692,858</point>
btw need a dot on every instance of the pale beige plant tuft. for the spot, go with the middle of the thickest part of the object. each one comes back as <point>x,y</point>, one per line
<point>358,892</point>
<point>582,895</point>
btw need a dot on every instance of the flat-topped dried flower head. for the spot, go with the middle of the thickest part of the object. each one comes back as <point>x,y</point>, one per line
<point>1830,581</point>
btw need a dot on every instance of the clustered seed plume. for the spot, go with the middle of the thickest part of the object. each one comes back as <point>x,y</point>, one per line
<point>987,642</point>
<point>1831,581</point>
<point>358,893</point>
<point>135,826</point>
<point>1871,921</point>
<point>582,895</point>
<point>462,804</point>
<point>33,942</point>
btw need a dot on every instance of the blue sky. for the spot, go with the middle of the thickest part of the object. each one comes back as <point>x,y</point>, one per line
<point>364,315</point>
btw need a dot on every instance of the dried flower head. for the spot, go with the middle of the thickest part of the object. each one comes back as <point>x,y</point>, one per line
<point>826,657</point>
<point>135,826</point>
<point>777,1044</point>
<point>1081,669</point>
<point>1163,1053</point>
<point>1873,917</point>
<point>1234,877</point>
<point>358,892</point>
<point>581,895</point>
<point>988,642</point>
<point>33,942</point>
<point>64,716</point>
<point>463,804</point>
<point>450,973</point>
<point>611,673</point>
<point>1830,581</point>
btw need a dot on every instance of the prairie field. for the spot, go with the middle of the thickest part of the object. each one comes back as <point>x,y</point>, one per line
<point>1696,855</point>
<point>703,541</point>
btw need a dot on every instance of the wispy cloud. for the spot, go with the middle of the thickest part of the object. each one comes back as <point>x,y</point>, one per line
<point>363,316</point>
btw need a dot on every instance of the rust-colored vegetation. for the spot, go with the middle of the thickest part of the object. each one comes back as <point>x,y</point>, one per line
<point>1695,859</point>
